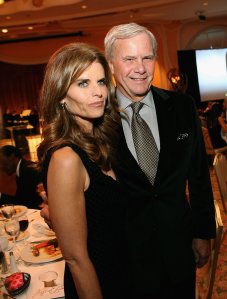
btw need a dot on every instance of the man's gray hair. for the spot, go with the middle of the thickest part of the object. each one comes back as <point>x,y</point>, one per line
<point>125,31</point>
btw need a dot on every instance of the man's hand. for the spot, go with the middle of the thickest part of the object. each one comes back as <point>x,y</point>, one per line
<point>202,250</point>
<point>45,209</point>
<point>45,213</point>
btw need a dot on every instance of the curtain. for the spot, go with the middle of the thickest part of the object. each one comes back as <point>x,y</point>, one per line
<point>20,86</point>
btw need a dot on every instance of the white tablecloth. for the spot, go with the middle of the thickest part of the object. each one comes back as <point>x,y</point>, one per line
<point>38,230</point>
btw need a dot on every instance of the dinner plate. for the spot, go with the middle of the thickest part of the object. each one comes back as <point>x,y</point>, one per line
<point>22,236</point>
<point>43,257</point>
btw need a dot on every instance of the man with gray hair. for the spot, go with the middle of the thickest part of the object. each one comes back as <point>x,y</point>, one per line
<point>168,234</point>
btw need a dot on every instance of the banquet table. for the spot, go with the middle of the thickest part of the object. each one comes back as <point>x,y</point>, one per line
<point>18,128</point>
<point>39,287</point>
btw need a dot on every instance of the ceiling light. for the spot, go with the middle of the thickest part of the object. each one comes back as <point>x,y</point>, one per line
<point>30,27</point>
<point>37,3</point>
<point>4,30</point>
<point>201,16</point>
<point>2,2</point>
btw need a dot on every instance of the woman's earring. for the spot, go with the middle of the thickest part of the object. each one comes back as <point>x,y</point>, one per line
<point>62,105</point>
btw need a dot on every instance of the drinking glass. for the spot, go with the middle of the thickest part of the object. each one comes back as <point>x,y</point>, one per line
<point>3,247</point>
<point>23,222</point>
<point>12,228</point>
<point>7,210</point>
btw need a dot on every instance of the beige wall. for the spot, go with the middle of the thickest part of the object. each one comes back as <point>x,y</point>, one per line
<point>170,36</point>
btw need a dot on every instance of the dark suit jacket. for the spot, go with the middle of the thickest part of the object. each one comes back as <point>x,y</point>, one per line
<point>161,221</point>
<point>26,194</point>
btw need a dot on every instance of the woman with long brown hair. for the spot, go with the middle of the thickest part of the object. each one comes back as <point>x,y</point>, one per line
<point>86,201</point>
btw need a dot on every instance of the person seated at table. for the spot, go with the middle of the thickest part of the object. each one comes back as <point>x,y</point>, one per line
<point>207,111</point>
<point>7,117</point>
<point>217,127</point>
<point>27,178</point>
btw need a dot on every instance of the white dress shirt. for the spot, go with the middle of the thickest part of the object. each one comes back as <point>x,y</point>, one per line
<point>147,112</point>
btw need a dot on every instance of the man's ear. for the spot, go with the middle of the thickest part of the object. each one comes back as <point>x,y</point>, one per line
<point>111,67</point>
<point>112,71</point>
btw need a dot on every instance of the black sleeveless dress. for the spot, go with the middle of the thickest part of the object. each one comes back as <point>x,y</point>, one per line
<point>106,203</point>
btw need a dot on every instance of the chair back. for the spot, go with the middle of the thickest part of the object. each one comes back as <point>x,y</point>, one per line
<point>220,169</point>
<point>209,270</point>
<point>207,141</point>
<point>216,244</point>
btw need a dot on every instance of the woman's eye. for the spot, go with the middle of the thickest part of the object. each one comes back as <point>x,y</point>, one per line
<point>82,84</point>
<point>102,82</point>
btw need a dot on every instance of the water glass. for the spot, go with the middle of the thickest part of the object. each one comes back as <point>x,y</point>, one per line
<point>7,210</point>
<point>12,228</point>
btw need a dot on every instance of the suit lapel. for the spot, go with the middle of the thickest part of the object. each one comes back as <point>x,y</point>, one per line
<point>167,131</point>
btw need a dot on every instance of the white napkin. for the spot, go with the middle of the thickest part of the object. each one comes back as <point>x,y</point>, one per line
<point>42,229</point>
<point>37,290</point>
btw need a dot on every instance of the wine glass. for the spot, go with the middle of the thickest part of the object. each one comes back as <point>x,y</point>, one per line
<point>7,210</point>
<point>23,222</point>
<point>12,228</point>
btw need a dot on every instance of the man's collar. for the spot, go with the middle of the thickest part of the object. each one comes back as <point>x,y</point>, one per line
<point>125,102</point>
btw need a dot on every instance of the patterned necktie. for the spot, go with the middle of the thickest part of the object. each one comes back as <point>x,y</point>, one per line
<point>145,145</point>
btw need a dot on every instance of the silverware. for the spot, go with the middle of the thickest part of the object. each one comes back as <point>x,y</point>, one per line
<point>39,241</point>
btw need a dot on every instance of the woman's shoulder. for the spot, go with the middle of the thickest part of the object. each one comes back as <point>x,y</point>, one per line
<point>65,157</point>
